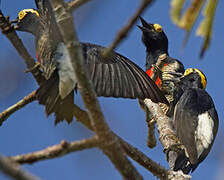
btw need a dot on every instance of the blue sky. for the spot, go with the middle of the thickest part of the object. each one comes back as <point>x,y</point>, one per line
<point>98,22</point>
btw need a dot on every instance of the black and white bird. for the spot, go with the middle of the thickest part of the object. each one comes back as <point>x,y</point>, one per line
<point>159,65</point>
<point>195,120</point>
<point>113,76</point>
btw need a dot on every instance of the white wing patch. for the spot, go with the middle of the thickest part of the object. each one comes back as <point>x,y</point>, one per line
<point>67,79</point>
<point>204,132</point>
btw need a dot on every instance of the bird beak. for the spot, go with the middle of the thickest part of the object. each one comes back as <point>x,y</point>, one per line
<point>142,28</point>
<point>145,26</point>
<point>144,23</point>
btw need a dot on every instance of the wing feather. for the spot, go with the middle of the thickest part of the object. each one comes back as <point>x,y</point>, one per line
<point>126,79</point>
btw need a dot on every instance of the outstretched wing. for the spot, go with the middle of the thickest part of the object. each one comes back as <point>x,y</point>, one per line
<point>117,76</point>
<point>114,76</point>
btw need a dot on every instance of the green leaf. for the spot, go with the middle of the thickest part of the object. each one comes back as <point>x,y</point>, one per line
<point>205,28</point>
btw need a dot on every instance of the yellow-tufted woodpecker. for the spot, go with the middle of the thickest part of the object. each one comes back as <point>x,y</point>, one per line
<point>158,62</point>
<point>113,76</point>
<point>195,120</point>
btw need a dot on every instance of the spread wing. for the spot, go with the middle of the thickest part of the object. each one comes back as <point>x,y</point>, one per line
<point>117,76</point>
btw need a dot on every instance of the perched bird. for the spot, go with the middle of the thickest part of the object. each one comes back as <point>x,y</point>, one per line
<point>158,62</point>
<point>195,120</point>
<point>159,66</point>
<point>113,76</point>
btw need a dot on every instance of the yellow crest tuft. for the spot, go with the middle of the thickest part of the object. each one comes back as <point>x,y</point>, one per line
<point>188,71</point>
<point>203,78</point>
<point>24,12</point>
<point>157,27</point>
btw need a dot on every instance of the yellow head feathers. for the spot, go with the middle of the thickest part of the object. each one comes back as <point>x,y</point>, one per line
<point>24,12</point>
<point>203,78</point>
<point>157,27</point>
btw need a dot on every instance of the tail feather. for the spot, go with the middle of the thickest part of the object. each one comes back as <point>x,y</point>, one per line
<point>182,163</point>
<point>48,95</point>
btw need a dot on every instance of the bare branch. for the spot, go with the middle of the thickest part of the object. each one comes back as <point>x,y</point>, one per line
<point>166,132</point>
<point>14,171</point>
<point>111,146</point>
<point>10,33</point>
<point>64,148</point>
<point>124,31</point>
<point>9,111</point>
<point>131,151</point>
<point>55,151</point>
<point>74,4</point>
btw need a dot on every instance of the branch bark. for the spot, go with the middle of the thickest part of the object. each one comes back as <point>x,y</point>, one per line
<point>55,151</point>
<point>9,111</point>
<point>74,4</point>
<point>14,171</point>
<point>8,29</point>
<point>111,146</point>
<point>167,136</point>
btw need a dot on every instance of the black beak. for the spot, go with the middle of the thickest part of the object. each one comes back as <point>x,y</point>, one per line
<point>144,23</point>
<point>142,28</point>
<point>145,26</point>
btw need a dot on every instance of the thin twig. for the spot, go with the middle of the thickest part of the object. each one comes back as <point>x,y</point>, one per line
<point>64,148</point>
<point>9,111</point>
<point>110,145</point>
<point>56,151</point>
<point>124,31</point>
<point>14,171</point>
<point>74,4</point>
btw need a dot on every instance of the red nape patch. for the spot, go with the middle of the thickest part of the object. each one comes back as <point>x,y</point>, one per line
<point>150,72</point>
<point>37,56</point>
<point>158,82</point>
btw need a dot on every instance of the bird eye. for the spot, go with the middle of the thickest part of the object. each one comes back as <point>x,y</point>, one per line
<point>157,27</point>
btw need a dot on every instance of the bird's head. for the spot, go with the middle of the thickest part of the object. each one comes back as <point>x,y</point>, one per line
<point>153,36</point>
<point>194,78</point>
<point>28,20</point>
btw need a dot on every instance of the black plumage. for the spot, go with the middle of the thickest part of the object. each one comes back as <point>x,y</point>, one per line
<point>113,76</point>
<point>195,121</point>
<point>156,43</point>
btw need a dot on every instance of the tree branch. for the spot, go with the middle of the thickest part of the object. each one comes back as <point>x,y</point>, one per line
<point>14,171</point>
<point>64,148</point>
<point>125,30</point>
<point>74,4</point>
<point>167,135</point>
<point>8,29</point>
<point>55,151</point>
<point>110,145</point>
<point>9,111</point>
